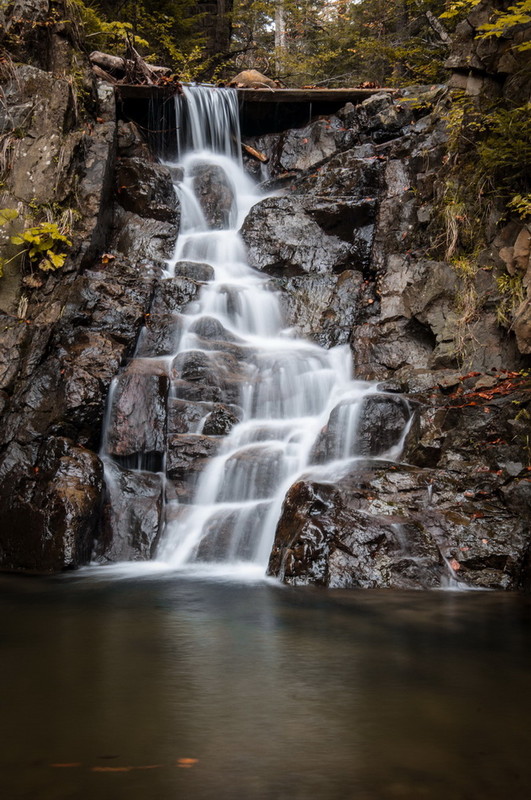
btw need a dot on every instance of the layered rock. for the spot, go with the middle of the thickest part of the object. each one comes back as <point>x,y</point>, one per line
<point>65,335</point>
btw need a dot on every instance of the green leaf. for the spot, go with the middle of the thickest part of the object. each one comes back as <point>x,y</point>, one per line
<point>7,215</point>
<point>57,259</point>
<point>16,240</point>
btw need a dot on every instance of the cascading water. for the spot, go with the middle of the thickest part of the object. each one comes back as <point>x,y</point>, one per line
<point>292,405</point>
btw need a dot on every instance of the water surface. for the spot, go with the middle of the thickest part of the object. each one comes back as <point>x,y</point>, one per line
<point>165,687</point>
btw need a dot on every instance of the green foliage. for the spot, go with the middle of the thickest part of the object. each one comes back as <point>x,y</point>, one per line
<point>162,31</point>
<point>512,293</point>
<point>521,204</point>
<point>489,163</point>
<point>341,43</point>
<point>40,243</point>
<point>109,34</point>
<point>460,8</point>
<point>7,215</point>
<point>505,150</point>
<point>504,22</point>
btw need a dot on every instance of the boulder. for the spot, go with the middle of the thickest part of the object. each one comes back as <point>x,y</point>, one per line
<point>289,236</point>
<point>131,516</point>
<point>215,193</point>
<point>50,500</point>
<point>137,422</point>
<point>146,189</point>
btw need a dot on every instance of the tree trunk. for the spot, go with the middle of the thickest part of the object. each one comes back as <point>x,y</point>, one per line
<point>215,24</point>
<point>280,36</point>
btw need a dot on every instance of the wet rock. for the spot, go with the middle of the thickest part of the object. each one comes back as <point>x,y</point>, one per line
<point>211,328</point>
<point>324,539</point>
<point>286,236</point>
<point>215,194</point>
<point>146,189</point>
<point>207,418</point>
<point>217,372</point>
<point>402,526</point>
<point>303,147</point>
<point>131,143</point>
<point>186,417</point>
<point>187,457</point>
<point>44,108</point>
<point>382,423</point>
<point>220,421</point>
<point>131,518</point>
<point>143,239</point>
<point>159,336</point>
<point>345,175</point>
<point>112,300</point>
<point>138,415</point>
<point>374,425</point>
<point>196,272</point>
<point>15,336</point>
<point>50,498</point>
<point>232,532</point>
<point>323,308</point>
<point>172,295</point>
<point>253,473</point>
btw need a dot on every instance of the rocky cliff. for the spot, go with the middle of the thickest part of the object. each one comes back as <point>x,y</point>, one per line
<point>64,334</point>
<point>352,242</point>
<point>347,244</point>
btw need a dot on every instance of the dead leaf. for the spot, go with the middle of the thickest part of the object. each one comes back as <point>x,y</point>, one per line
<point>112,769</point>
<point>186,763</point>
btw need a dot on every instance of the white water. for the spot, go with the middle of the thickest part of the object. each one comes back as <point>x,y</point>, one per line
<point>283,388</point>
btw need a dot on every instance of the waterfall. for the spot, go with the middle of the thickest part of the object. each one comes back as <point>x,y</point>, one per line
<point>255,405</point>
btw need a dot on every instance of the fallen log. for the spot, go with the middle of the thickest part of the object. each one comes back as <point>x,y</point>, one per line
<point>118,64</point>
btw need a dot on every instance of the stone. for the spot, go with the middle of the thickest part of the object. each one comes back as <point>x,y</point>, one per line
<point>187,457</point>
<point>323,539</point>
<point>195,271</point>
<point>215,193</point>
<point>323,308</point>
<point>378,425</point>
<point>220,421</point>
<point>286,236</point>
<point>50,500</point>
<point>131,516</point>
<point>137,421</point>
<point>146,189</point>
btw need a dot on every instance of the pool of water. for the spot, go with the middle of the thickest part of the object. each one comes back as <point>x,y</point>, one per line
<point>161,687</point>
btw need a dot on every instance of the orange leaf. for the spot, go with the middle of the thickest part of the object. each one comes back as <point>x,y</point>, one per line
<point>455,565</point>
<point>111,769</point>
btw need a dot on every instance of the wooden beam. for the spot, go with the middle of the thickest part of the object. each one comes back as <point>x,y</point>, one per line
<point>307,95</point>
<point>339,96</point>
<point>144,91</point>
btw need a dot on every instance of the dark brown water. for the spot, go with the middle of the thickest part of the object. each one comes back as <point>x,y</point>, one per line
<point>107,685</point>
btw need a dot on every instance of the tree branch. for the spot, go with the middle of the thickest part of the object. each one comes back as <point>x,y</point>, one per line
<point>438,27</point>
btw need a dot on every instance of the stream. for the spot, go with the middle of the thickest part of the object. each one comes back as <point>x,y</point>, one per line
<point>164,688</point>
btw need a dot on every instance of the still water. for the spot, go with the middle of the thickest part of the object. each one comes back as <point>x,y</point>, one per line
<point>164,687</point>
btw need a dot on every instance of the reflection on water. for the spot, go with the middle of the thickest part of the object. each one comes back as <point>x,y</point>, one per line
<point>268,692</point>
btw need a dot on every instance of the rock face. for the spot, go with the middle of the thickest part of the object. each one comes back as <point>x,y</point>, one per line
<point>345,242</point>
<point>456,512</point>
<point>64,340</point>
